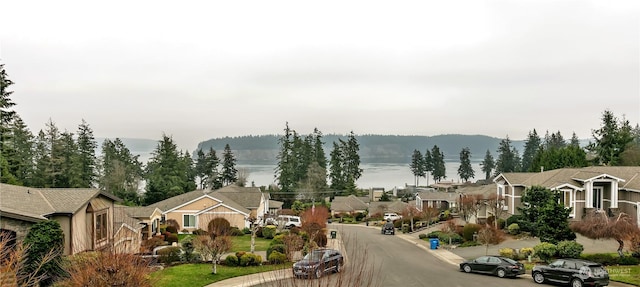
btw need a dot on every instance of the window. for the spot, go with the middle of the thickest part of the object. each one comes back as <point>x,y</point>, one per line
<point>189,221</point>
<point>101,226</point>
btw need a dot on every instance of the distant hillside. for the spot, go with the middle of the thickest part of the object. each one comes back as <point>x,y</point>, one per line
<point>373,148</point>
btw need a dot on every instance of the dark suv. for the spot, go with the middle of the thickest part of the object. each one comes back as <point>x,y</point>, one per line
<point>388,228</point>
<point>575,271</point>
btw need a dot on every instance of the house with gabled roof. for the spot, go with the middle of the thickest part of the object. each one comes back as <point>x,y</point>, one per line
<point>195,209</point>
<point>436,199</point>
<point>610,188</point>
<point>483,193</point>
<point>380,207</point>
<point>348,204</point>
<point>86,215</point>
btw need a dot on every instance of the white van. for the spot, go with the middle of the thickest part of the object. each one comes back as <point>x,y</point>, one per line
<point>288,221</point>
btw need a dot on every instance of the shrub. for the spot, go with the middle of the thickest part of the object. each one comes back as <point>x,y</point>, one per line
<point>434,234</point>
<point>172,226</point>
<point>281,248</point>
<point>106,269</point>
<point>170,237</point>
<point>231,260</point>
<point>628,260</point>
<point>450,238</point>
<point>259,232</point>
<point>219,227</point>
<point>250,259</point>
<point>509,253</point>
<point>470,243</point>
<point>246,230</point>
<point>269,231</point>
<point>422,236</point>
<point>44,239</point>
<point>359,216</point>
<point>569,249</point>
<point>545,251</point>
<point>469,230</point>
<point>602,258</point>
<point>514,219</point>
<point>501,223</point>
<point>277,258</point>
<point>525,252</point>
<point>151,243</point>
<point>235,231</point>
<point>171,229</point>
<point>169,255</point>
<point>513,229</point>
<point>184,231</point>
<point>200,232</point>
<point>188,248</point>
<point>278,239</point>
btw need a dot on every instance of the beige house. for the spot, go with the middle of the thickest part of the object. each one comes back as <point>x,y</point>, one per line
<point>85,215</point>
<point>347,204</point>
<point>436,199</point>
<point>613,189</point>
<point>194,210</point>
<point>482,192</point>
<point>380,207</point>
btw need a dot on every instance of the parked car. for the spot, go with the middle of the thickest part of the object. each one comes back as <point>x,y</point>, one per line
<point>289,221</point>
<point>576,272</point>
<point>318,262</point>
<point>391,216</point>
<point>388,228</point>
<point>495,265</point>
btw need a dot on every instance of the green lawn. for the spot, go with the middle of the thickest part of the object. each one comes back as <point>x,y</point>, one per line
<point>198,275</point>
<point>625,274</point>
<point>243,243</point>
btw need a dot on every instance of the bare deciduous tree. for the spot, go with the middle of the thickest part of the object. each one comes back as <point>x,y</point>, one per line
<point>488,235</point>
<point>213,248</point>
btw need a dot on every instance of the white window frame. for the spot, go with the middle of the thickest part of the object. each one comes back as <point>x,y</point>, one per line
<point>195,221</point>
<point>597,190</point>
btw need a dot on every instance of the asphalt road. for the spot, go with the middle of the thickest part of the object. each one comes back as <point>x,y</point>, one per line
<point>374,259</point>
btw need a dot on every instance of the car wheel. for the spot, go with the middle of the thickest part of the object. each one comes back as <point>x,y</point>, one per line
<point>318,273</point>
<point>576,282</point>
<point>501,273</point>
<point>538,277</point>
<point>466,268</point>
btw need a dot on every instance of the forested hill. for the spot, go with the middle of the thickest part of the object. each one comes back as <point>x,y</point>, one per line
<point>373,148</point>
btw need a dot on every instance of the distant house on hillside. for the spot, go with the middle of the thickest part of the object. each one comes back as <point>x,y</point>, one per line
<point>348,204</point>
<point>85,215</point>
<point>380,207</point>
<point>481,192</point>
<point>436,199</point>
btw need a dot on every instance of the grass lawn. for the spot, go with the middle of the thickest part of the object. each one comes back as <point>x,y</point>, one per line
<point>241,243</point>
<point>625,274</point>
<point>198,275</point>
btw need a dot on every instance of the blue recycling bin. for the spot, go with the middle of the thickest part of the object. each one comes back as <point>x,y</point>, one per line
<point>434,243</point>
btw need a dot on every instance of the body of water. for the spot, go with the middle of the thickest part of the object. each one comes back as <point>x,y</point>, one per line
<point>386,175</point>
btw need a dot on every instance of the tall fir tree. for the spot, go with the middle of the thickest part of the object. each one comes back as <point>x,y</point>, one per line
<point>610,139</point>
<point>531,147</point>
<point>88,161</point>
<point>487,165</point>
<point>428,164</point>
<point>70,168</point>
<point>352,159</point>
<point>229,171</point>
<point>42,161</point>
<point>439,170</point>
<point>508,159</point>
<point>6,115</point>
<point>285,168</point>
<point>417,166</point>
<point>120,172</point>
<point>465,170</point>
<point>336,170</point>
<point>166,173</point>
<point>19,151</point>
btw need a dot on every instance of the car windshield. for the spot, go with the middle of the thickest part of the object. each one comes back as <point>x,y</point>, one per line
<point>313,256</point>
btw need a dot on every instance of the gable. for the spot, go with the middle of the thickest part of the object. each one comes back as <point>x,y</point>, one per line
<point>196,204</point>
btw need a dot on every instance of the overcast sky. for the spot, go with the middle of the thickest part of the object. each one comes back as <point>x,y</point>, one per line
<point>200,70</point>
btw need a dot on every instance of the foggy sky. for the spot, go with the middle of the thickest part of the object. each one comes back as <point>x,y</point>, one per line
<point>199,70</point>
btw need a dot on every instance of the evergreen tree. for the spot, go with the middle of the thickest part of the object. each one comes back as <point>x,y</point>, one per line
<point>18,150</point>
<point>318,150</point>
<point>487,165</point>
<point>285,168</point>
<point>336,171</point>
<point>544,216</point>
<point>70,168</point>
<point>631,154</point>
<point>214,180</point>
<point>229,171</point>
<point>166,173</point>
<point>54,170</point>
<point>417,166</point>
<point>428,164</point>
<point>508,159</point>
<point>42,162</point>
<point>439,169</point>
<point>352,160</point>
<point>120,171</point>
<point>531,147</point>
<point>6,115</point>
<point>610,139</point>
<point>465,170</point>
<point>87,155</point>
<point>555,140</point>
<point>201,168</point>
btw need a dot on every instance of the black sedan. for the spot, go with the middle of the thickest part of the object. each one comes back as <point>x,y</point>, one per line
<point>576,272</point>
<point>495,265</point>
<point>318,262</point>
